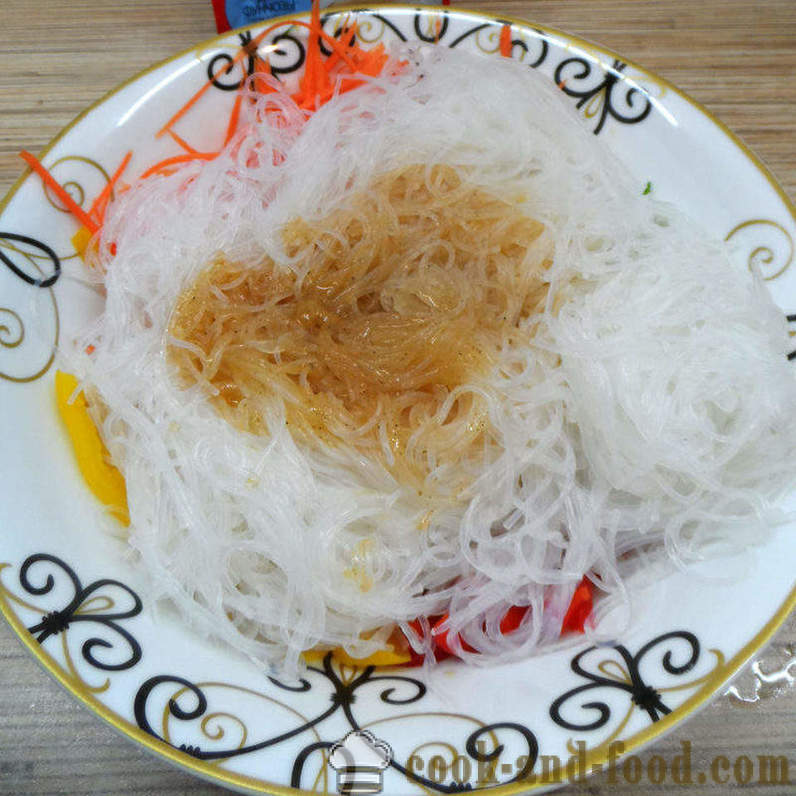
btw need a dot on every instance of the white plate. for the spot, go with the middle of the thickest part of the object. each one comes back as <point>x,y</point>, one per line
<point>67,590</point>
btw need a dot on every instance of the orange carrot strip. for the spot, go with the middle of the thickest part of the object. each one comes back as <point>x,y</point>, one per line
<point>317,86</point>
<point>181,142</point>
<point>338,48</point>
<point>185,108</point>
<point>74,208</point>
<point>315,79</point>
<point>316,82</point>
<point>244,51</point>
<point>371,63</point>
<point>260,85</point>
<point>505,41</point>
<point>315,16</point>
<point>330,40</point>
<point>234,118</point>
<point>97,209</point>
<point>177,159</point>
<point>241,54</point>
<point>332,60</point>
<point>346,40</point>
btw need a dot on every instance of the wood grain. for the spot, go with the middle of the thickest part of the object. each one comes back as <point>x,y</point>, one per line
<point>737,57</point>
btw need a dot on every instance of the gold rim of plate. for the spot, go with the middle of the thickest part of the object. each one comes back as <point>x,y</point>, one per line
<point>595,757</point>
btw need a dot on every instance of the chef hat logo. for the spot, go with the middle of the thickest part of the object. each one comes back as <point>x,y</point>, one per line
<point>360,760</point>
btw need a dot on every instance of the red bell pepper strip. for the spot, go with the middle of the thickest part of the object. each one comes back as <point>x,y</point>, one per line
<point>580,608</point>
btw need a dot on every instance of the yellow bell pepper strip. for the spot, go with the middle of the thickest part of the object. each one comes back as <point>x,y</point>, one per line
<point>397,652</point>
<point>80,241</point>
<point>339,655</point>
<point>108,486</point>
<point>380,658</point>
<point>102,478</point>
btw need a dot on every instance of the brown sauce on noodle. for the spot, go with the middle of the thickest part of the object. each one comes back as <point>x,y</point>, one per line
<point>409,291</point>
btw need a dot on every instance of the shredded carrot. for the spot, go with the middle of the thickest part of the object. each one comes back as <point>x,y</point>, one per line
<point>350,33</point>
<point>315,82</point>
<point>185,108</point>
<point>172,161</point>
<point>97,210</point>
<point>261,86</point>
<point>316,85</point>
<point>74,208</point>
<point>243,53</point>
<point>505,41</point>
<point>337,47</point>
<point>182,143</point>
<point>370,63</point>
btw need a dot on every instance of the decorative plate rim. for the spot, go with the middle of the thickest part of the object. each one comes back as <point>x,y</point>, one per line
<point>598,755</point>
<point>594,757</point>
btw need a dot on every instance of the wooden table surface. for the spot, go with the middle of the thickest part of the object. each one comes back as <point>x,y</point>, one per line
<point>737,57</point>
